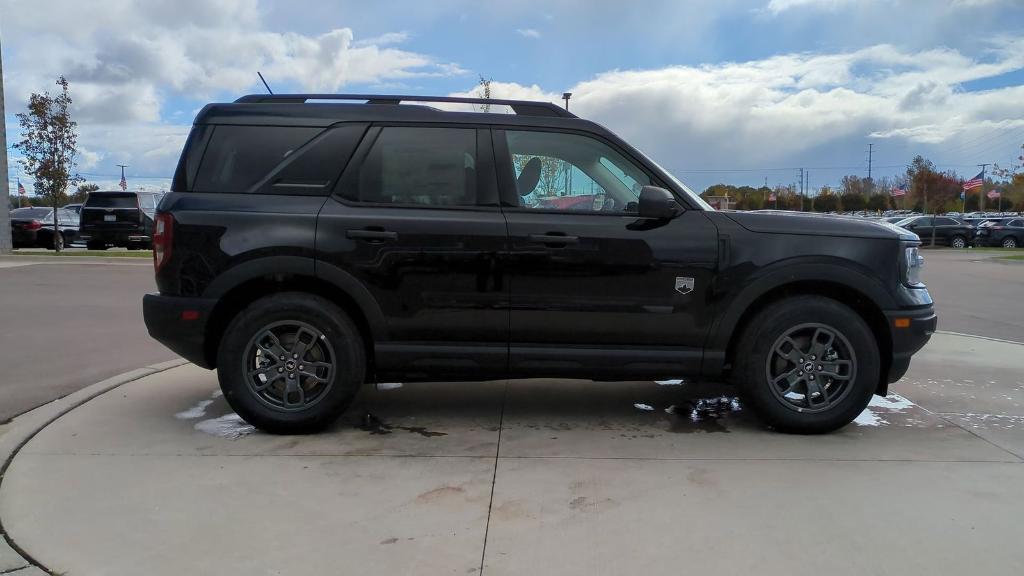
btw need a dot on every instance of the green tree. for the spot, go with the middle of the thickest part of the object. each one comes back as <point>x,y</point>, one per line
<point>82,193</point>
<point>827,201</point>
<point>878,202</point>
<point>48,147</point>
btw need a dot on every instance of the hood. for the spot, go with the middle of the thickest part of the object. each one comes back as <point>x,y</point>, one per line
<point>813,224</point>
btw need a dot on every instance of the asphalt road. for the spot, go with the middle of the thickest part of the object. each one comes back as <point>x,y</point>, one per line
<point>977,293</point>
<point>68,323</point>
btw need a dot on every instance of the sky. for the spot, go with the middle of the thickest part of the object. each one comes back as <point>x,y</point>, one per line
<point>715,91</point>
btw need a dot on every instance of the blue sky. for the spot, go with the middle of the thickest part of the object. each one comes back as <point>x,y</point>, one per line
<point>717,91</point>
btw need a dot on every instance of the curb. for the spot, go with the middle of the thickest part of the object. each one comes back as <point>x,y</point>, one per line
<point>13,560</point>
<point>989,338</point>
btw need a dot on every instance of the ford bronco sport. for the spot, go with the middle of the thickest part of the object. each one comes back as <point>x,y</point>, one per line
<point>312,243</point>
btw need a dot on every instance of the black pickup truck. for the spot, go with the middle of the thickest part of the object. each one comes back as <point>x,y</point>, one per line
<point>309,247</point>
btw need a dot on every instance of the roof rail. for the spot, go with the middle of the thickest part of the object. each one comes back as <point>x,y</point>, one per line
<point>520,107</point>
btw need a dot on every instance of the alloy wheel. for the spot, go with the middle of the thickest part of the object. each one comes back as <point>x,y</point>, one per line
<point>289,365</point>
<point>811,368</point>
<point>959,242</point>
<point>1010,243</point>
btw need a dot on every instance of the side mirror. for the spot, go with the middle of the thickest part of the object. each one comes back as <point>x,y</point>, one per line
<point>658,203</point>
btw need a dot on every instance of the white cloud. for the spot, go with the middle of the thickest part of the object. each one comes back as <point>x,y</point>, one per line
<point>777,6</point>
<point>528,32</point>
<point>797,107</point>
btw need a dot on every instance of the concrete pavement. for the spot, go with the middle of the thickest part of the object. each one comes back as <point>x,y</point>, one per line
<point>538,476</point>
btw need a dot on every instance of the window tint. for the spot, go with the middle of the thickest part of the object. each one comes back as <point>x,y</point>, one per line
<point>1016,223</point>
<point>318,164</point>
<point>568,172</point>
<point>945,222</point>
<point>30,213</point>
<point>112,200</point>
<point>240,156</point>
<point>425,166</point>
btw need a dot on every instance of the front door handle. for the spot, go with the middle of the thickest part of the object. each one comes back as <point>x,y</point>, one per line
<point>553,239</point>
<point>371,235</point>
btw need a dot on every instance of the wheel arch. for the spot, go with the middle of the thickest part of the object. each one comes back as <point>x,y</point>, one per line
<point>349,295</point>
<point>848,287</point>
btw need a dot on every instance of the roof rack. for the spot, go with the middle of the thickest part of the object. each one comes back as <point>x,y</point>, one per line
<point>520,107</point>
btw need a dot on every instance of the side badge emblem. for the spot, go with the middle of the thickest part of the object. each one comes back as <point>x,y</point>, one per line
<point>684,285</point>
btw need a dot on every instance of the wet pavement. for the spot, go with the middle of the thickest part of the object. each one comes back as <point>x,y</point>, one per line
<point>534,476</point>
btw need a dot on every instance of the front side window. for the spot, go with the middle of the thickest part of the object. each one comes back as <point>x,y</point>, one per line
<point>573,173</point>
<point>419,166</point>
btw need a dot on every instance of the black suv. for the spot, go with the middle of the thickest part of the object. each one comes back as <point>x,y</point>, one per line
<point>118,219</point>
<point>309,247</point>
<point>944,230</point>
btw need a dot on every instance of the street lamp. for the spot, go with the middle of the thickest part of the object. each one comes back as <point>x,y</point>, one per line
<point>566,96</point>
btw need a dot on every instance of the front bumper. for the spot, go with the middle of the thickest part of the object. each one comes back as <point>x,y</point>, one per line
<point>909,331</point>
<point>180,324</point>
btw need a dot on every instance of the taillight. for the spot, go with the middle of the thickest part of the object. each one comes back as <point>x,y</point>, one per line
<point>34,225</point>
<point>163,232</point>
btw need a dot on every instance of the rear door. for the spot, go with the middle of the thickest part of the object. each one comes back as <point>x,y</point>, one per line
<point>415,222</point>
<point>595,290</point>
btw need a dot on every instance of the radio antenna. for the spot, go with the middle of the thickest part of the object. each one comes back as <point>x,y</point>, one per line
<point>264,82</point>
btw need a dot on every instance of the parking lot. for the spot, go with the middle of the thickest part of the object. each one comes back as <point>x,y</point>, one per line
<point>536,476</point>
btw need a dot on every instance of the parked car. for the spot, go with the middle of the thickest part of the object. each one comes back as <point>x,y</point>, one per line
<point>118,218</point>
<point>76,208</point>
<point>307,249</point>
<point>33,228</point>
<point>945,230</point>
<point>1008,233</point>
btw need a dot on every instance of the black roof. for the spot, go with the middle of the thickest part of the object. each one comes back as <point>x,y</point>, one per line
<point>327,109</point>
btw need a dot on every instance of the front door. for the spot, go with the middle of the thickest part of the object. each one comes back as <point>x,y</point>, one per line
<point>594,289</point>
<point>415,221</point>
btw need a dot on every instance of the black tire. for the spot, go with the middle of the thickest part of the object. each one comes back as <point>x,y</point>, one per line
<point>756,358</point>
<point>57,242</point>
<point>339,340</point>
<point>1009,242</point>
<point>958,242</point>
<point>92,245</point>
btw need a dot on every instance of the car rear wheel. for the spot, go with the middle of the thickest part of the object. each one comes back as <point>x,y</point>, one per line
<point>1009,242</point>
<point>291,363</point>
<point>808,364</point>
<point>958,242</point>
<point>56,242</point>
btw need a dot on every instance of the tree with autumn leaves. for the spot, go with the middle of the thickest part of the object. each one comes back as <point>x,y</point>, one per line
<point>48,147</point>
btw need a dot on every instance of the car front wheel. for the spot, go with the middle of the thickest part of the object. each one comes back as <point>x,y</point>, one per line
<point>1010,242</point>
<point>959,242</point>
<point>290,363</point>
<point>808,364</point>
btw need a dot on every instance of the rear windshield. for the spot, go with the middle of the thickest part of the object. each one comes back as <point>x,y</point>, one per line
<point>114,200</point>
<point>36,213</point>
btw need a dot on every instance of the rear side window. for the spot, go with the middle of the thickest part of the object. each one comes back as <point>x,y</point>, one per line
<point>115,200</point>
<point>945,222</point>
<point>420,166</point>
<point>238,157</point>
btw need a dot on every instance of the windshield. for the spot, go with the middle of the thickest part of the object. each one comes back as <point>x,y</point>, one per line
<point>690,193</point>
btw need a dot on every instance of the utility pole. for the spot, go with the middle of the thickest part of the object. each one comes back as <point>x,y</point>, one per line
<point>870,151</point>
<point>801,189</point>
<point>5,216</point>
<point>981,194</point>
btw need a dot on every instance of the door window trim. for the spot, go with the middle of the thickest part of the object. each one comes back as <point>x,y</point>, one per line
<point>484,164</point>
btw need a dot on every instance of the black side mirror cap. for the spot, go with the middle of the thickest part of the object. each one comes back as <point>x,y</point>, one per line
<point>658,203</point>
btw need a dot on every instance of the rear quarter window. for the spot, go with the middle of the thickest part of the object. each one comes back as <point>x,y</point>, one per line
<point>238,157</point>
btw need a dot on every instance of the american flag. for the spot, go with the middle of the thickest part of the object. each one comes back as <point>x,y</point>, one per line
<point>124,183</point>
<point>21,189</point>
<point>900,190</point>
<point>975,182</point>
<point>993,194</point>
<point>772,197</point>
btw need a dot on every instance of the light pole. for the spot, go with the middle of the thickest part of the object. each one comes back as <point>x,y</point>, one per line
<point>566,96</point>
<point>5,217</point>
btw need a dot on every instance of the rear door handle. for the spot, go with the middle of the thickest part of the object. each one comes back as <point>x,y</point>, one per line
<point>371,234</point>
<point>553,239</point>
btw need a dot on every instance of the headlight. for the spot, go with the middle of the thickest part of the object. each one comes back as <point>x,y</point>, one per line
<point>913,262</point>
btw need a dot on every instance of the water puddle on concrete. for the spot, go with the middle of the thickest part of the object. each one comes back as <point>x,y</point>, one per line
<point>374,425</point>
